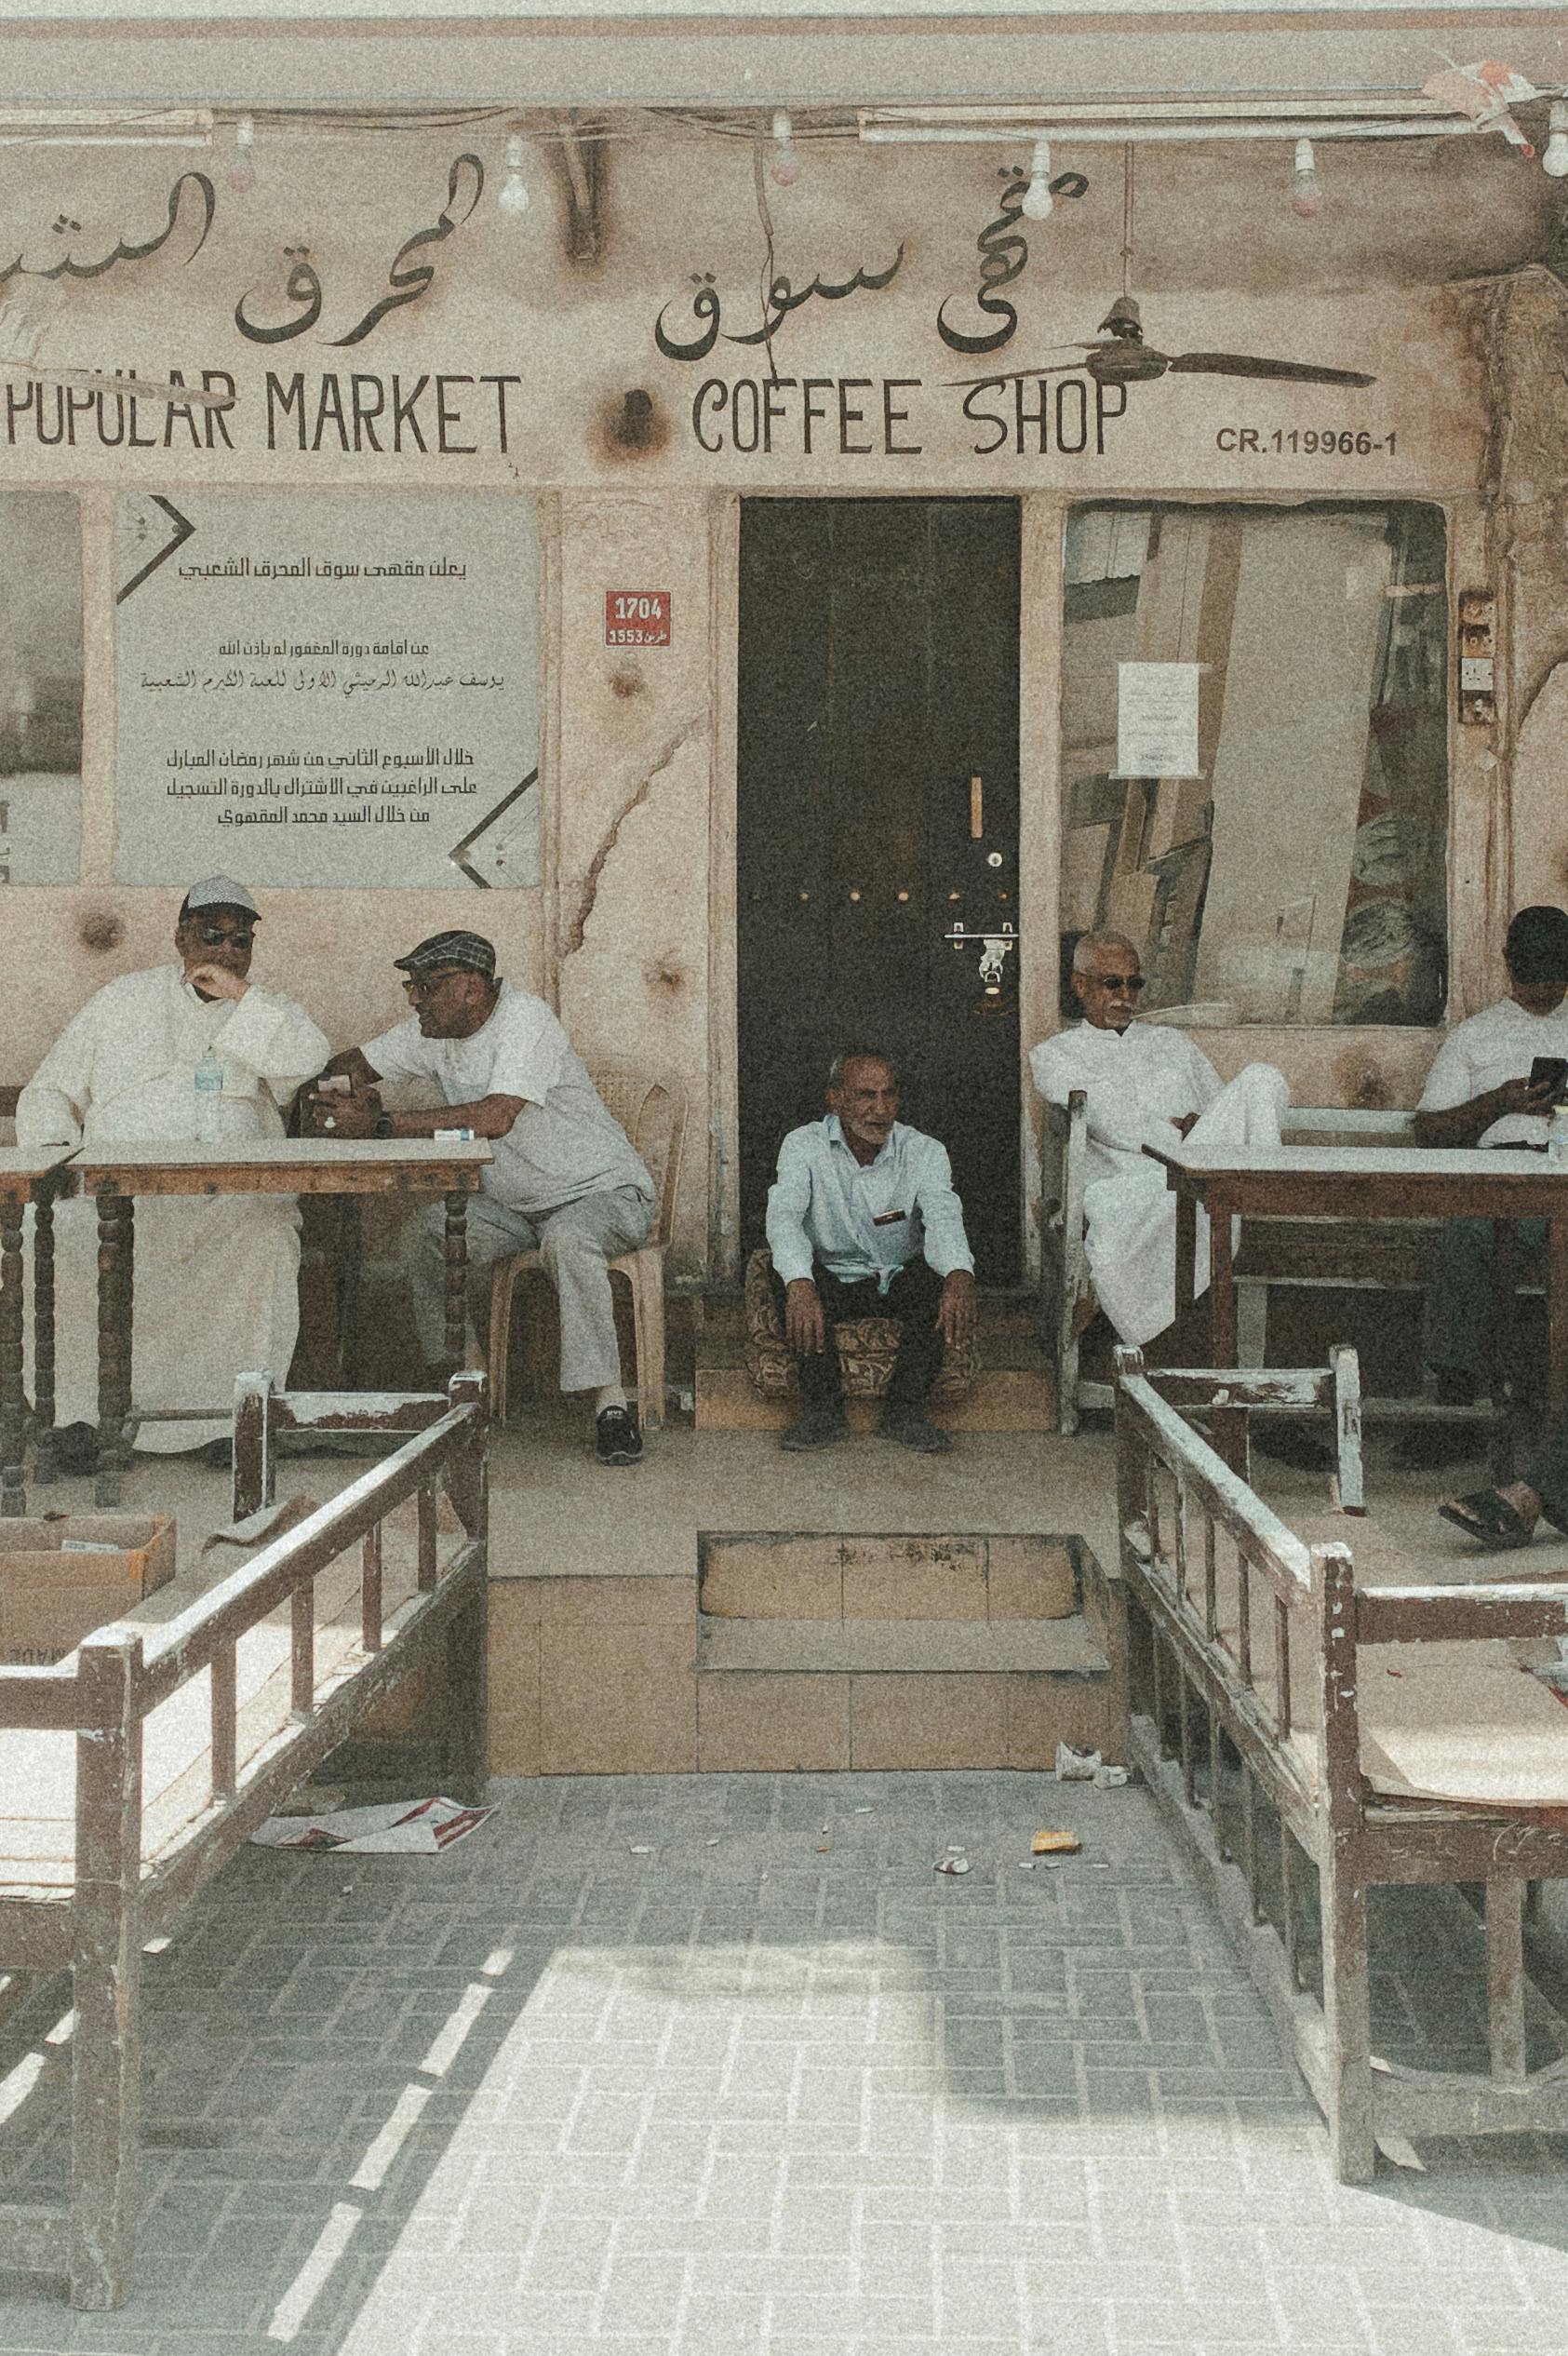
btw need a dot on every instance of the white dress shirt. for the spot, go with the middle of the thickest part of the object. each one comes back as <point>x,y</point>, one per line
<point>1498,1044</point>
<point>864,1218</point>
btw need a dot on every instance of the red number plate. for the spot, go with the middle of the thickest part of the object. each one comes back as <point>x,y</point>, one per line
<point>637,617</point>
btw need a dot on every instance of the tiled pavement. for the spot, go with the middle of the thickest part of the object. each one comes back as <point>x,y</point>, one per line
<point>659,2065</point>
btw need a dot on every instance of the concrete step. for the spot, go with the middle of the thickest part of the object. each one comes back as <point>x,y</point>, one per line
<point>832,1577</point>
<point>1004,1399</point>
<point>916,1648</point>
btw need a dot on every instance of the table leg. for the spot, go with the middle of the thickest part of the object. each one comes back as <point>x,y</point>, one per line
<point>1556,1316</point>
<point>116,1243</point>
<point>1230,1424</point>
<point>1222,1290</point>
<point>457,1281</point>
<point>1187,1251</point>
<point>351,1255</point>
<point>44,1341</point>
<point>13,1424</point>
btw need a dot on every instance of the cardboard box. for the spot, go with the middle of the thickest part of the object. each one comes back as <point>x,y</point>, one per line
<point>52,1594</point>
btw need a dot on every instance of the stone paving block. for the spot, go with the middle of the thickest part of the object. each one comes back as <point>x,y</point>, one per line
<point>1142,2159</point>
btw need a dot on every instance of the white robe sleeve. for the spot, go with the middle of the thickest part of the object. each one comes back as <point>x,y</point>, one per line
<point>51,1108</point>
<point>275,1039</point>
<point>1206,1081</point>
<point>1117,1118</point>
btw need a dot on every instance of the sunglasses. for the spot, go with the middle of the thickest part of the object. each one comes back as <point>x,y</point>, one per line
<point>427,984</point>
<point>1135,982</point>
<point>219,936</point>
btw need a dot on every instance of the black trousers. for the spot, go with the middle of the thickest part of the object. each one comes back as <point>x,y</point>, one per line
<point>911,1298</point>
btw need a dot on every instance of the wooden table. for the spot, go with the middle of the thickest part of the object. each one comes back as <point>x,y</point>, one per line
<point>34,1175</point>
<point>115,1173</point>
<point>1364,1182</point>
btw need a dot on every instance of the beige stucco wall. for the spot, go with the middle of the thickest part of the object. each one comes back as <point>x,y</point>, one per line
<point>628,933</point>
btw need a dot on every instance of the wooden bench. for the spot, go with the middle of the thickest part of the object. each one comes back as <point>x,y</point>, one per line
<point>133,1768</point>
<point>1296,1719</point>
<point>1316,1254</point>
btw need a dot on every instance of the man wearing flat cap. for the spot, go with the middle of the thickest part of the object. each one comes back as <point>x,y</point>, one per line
<point>1480,1092</point>
<point>217,1278</point>
<point>565,1178</point>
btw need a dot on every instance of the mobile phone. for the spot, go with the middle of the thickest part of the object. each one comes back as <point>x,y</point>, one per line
<point>1552,1071</point>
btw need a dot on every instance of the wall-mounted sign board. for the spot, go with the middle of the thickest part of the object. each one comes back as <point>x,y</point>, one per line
<point>327,691</point>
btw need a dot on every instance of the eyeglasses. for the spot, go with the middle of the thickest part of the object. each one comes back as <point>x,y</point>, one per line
<point>425,986</point>
<point>219,936</point>
<point>1135,982</point>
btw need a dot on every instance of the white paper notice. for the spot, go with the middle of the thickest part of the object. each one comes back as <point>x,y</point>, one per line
<point>1156,719</point>
<point>330,691</point>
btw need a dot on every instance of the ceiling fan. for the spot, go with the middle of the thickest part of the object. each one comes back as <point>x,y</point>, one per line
<point>1121,356</point>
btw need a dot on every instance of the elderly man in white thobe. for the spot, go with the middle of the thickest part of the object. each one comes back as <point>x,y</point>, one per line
<point>1147,1085</point>
<point>217,1288</point>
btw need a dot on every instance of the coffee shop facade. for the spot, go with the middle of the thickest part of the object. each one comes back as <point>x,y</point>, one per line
<point>651,575</point>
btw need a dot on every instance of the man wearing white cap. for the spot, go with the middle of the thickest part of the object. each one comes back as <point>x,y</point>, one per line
<point>216,1277</point>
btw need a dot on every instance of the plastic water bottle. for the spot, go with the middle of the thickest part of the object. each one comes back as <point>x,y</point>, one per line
<point>210,1099</point>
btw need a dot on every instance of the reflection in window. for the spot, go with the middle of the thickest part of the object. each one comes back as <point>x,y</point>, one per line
<point>1301,876</point>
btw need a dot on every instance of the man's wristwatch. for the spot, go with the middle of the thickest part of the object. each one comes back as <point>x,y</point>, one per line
<point>383,1125</point>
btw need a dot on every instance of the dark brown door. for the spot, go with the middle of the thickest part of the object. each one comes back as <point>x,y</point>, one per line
<point>879,681</point>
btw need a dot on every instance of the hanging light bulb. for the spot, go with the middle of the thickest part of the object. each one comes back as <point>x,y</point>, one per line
<point>1307,197</point>
<point>784,170</point>
<point>513,196</point>
<point>242,171</point>
<point>1554,162</point>
<point>1037,205</point>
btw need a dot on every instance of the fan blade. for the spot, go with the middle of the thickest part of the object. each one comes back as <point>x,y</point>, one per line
<point>1021,375</point>
<point>1247,364</point>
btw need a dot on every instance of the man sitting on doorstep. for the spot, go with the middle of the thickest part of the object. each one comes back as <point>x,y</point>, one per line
<point>1147,1085</point>
<point>1480,1092</point>
<point>862,1221</point>
<point>217,1278</point>
<point>565,1178</point>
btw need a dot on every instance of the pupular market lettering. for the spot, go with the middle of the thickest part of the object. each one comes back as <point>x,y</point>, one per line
<point>868,417</point>
<point>452,416</point>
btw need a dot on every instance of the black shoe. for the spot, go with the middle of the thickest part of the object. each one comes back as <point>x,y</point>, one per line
<point>912,1430</point>
<point>75,1448</point>
<point>1426,1446</point>
<point>817,1427</point>
<point>616,1437</point>
<point>1292,1444</point>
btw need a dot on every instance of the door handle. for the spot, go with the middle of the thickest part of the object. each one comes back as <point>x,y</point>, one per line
<point>976,808</point>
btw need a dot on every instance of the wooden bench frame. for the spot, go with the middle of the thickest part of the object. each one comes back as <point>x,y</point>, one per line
<point>1302,1611</point>
<point>1068,1288</point>
<point>96,1926</point>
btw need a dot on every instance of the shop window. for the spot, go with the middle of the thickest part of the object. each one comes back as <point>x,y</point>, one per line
<point>1299,875</point>
<point>40,687</point>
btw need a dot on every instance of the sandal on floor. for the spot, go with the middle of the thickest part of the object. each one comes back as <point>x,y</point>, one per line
<point>1487,1516</point>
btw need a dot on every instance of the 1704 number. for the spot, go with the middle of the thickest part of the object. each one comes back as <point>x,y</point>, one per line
<point>1308,443</point>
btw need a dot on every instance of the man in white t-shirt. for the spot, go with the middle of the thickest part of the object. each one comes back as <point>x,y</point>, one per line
<point>1478,1092</point>
<point>565,1178</point>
